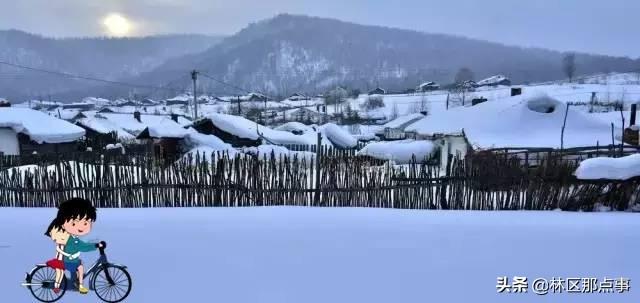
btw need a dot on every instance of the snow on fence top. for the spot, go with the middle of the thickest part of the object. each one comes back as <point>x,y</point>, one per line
<point>401,152</point>
<point>265,151</point>
<point>609,168</point>
<point>247,129</point>
<point>39,126</point>
<point>338,136</point>
<point>518,122</point>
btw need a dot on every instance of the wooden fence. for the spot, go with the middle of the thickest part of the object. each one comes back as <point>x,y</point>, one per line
<point>333,179</point>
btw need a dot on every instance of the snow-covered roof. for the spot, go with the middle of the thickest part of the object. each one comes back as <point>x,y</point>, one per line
<point>247,129</point>
<point>401,152</point>
<point>295,127</point>
<point>338,136</point>
<point>609,168</point>
<point>129,123</point>
<point>492,80</point>
<point>181,98</point>
<point>430,83</point>
<point>66,114</point>
<point>195,139</point>
<point>518,122</point>
<point>104,126</point>
<point>403,121</point>
<point>39,126</point>
<point>166,128</point>
<point>97,101</point>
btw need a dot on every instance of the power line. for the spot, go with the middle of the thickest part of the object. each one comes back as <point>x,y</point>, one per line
<point>225,83</point>
<point>71,76</point>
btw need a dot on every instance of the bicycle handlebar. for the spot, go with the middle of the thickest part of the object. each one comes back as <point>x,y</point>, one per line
<point>104,245</point>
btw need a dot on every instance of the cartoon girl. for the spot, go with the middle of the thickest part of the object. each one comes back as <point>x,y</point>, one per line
<point>60,237</point>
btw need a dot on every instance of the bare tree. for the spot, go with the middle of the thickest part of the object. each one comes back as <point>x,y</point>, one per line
<point>569,65</point>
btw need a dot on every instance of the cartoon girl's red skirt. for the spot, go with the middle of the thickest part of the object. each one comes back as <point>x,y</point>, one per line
<point>55,264</point>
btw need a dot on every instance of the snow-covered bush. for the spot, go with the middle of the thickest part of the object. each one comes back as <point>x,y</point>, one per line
<point>373,102</point>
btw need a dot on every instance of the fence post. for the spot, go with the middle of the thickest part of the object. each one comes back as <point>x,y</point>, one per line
<point>316,197</point>
<point>443,192</point>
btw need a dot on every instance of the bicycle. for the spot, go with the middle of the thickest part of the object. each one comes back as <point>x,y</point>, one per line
<point>111,282</point>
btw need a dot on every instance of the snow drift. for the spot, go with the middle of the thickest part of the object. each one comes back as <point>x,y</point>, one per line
<point>338,136</point>
<point>401,152</point>
<point>609,168</point>
<point>518,122</point>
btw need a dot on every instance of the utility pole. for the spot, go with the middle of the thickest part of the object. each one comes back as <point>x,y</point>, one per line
<point>194,77</point>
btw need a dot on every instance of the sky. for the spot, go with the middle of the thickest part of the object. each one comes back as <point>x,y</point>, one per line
<point>594,26</point>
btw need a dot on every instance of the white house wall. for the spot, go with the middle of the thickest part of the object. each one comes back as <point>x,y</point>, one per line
<point>9,144</point>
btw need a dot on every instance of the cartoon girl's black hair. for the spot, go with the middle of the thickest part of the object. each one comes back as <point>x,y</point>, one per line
<point>76,208</point>
<point>56,223</point>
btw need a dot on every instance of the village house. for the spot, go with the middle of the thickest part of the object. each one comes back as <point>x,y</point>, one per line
<point>69,114</point>
<point>27,131</point>
<point>298,97</point>
<point>100,132</point>
<point>377,91</point>
<point>136,122</point>
<point>501,126</point>
<point>396,129</point>
<point>165,138</point>
<point>427,87</point>
<point>241,132</point>
<point>495,81</point>
<point>306,115</point>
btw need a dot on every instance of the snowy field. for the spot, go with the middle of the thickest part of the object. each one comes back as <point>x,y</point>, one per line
<point>337,255</point>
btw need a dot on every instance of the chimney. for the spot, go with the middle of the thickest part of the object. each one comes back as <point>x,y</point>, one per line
<point>136,115</point>
<point>174,117</point>
<point>634,109</point>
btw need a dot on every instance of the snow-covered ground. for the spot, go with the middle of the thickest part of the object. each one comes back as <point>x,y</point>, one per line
<point>337,255</point>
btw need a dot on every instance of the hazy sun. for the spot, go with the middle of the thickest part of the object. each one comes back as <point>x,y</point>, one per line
<point>116,24</point>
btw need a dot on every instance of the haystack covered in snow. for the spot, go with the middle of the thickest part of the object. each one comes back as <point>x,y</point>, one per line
<point>518,122</point>
<point>401,152</point>
<point>25,130</point>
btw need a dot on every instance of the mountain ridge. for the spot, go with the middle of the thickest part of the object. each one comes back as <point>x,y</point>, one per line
<point>296,53</point>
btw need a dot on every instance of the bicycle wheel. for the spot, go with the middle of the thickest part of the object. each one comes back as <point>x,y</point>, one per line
<point>43,280</point>
<point>112,283</point>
